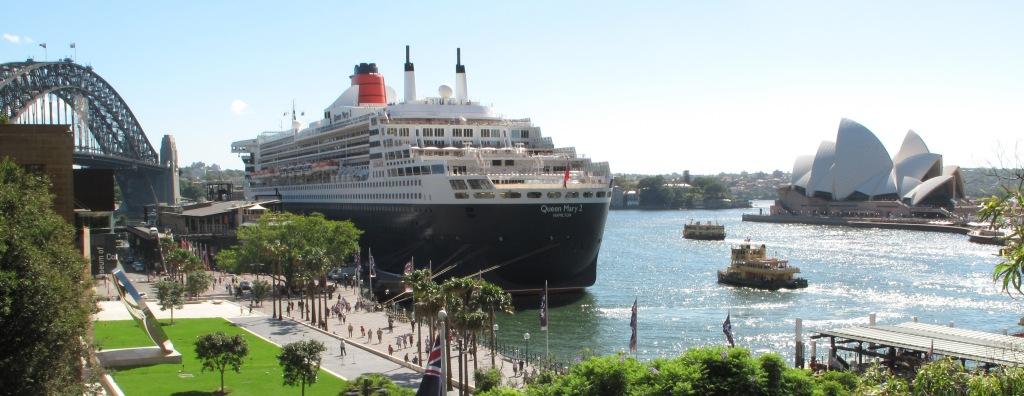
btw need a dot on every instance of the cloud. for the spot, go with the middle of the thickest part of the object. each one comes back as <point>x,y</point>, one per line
<point>12,38</point>
<point>238,106</point>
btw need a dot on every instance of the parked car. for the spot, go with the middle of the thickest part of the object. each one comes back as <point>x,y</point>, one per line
<point>138,266</point>
<point>245,285</point>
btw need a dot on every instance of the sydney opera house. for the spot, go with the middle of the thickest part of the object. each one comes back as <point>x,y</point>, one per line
<point>855,176</point>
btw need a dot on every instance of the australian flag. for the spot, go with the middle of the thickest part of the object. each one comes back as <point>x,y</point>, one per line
<point>544,308</point>
<point>632,324</point>
<point>727,329</point>
<point>433,376</point>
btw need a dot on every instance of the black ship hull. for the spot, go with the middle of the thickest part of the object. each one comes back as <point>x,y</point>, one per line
<point>517,247</point>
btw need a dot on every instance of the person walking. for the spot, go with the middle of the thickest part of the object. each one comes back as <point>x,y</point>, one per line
<point>362,331</point>
<point>343,349</point>
<point>349,330</point>
<point>380,334</point>
<point>407,358</point>
<point>391,350</point>
<point>369,336</point>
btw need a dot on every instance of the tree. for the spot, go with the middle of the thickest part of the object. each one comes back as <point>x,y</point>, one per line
<point>219,352</point>
<point>492,300</point>
<point>170,295</point>
<point>296,250</point>
<point>301,362</point>
<point>198,282</point>
<point>45,296</point>
<point>183,261</point>
<point>260,290</point>
<point>1006,211</point>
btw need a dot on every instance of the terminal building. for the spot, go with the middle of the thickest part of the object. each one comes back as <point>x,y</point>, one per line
<point>854,176</point>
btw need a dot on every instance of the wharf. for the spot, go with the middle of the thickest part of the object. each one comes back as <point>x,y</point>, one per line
<point>857,223</point>
<point>913,343</point>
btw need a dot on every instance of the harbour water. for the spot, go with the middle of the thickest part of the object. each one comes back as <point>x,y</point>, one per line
<point>852,272</point>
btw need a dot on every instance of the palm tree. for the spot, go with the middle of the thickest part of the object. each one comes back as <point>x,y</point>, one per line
<point>464,313</point>
<point>493,299</point>
<point>417,280</point>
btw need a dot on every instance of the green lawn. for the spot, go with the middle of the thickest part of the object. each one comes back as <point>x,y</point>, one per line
<point>261,375</point>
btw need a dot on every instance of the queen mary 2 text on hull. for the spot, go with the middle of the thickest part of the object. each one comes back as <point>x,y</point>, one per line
<point>443,181</point>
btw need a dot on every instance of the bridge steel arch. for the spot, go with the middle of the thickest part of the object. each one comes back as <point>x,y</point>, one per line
<point>144,176</point>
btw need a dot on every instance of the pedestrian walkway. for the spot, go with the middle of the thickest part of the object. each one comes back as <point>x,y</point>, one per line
<point>355,363</point>
<point>372,321</point>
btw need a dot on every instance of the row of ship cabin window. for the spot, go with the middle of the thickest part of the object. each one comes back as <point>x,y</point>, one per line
<point>362,196</point>
<point>532,194</point>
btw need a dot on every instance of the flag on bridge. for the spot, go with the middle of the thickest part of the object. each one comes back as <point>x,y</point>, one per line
<point>433,377</point>
<point>632,325</point>
<point>544,308</point>
<point>727,329</point>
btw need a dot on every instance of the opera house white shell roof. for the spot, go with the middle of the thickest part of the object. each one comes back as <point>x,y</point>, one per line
<point>857,167</point>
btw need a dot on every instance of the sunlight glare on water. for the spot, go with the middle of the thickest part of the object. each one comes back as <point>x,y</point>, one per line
<point>852,272</point>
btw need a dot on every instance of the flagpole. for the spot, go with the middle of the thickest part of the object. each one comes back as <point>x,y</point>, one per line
<point>369,274</point>
<point>442,316</point>
<point>547,304</point>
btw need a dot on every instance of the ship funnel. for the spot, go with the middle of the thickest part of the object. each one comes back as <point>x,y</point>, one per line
<point>460,77</point>
<point>410,79</point>
<point>371,84</point>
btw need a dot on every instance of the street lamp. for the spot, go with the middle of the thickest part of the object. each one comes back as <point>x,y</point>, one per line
<point>526,337</point>
<point>494,342</point>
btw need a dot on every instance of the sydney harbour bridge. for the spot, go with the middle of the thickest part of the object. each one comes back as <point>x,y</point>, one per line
<point>106,133</point>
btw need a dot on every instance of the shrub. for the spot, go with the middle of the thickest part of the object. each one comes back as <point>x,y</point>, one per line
<point>375,385</point>
<point>878,381</point>
<point>486,379</point>
<point>501,391</point>
<point>941,377</point>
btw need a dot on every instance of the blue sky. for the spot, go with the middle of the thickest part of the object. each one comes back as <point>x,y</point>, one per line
<point>650,87</point>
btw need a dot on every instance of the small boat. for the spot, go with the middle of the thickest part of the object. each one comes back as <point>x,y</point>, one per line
<point>704,231</point>
<point>751,267</point>
<point>987,236</point>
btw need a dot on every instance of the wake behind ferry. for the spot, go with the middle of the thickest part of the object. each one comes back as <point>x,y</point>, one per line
<point>440,181</point>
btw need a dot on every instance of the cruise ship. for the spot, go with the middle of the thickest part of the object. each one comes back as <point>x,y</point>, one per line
<point>441,181</point>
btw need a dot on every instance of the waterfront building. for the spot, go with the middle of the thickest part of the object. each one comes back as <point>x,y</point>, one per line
<point>855,176</point>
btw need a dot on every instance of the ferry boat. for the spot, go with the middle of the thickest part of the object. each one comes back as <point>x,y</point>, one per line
<point>707,231</point>
<point>444,181</point>
<point>751,267</point>
<point>988,236</point>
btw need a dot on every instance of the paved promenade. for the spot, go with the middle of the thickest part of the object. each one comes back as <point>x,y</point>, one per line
<point>363,356</point>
